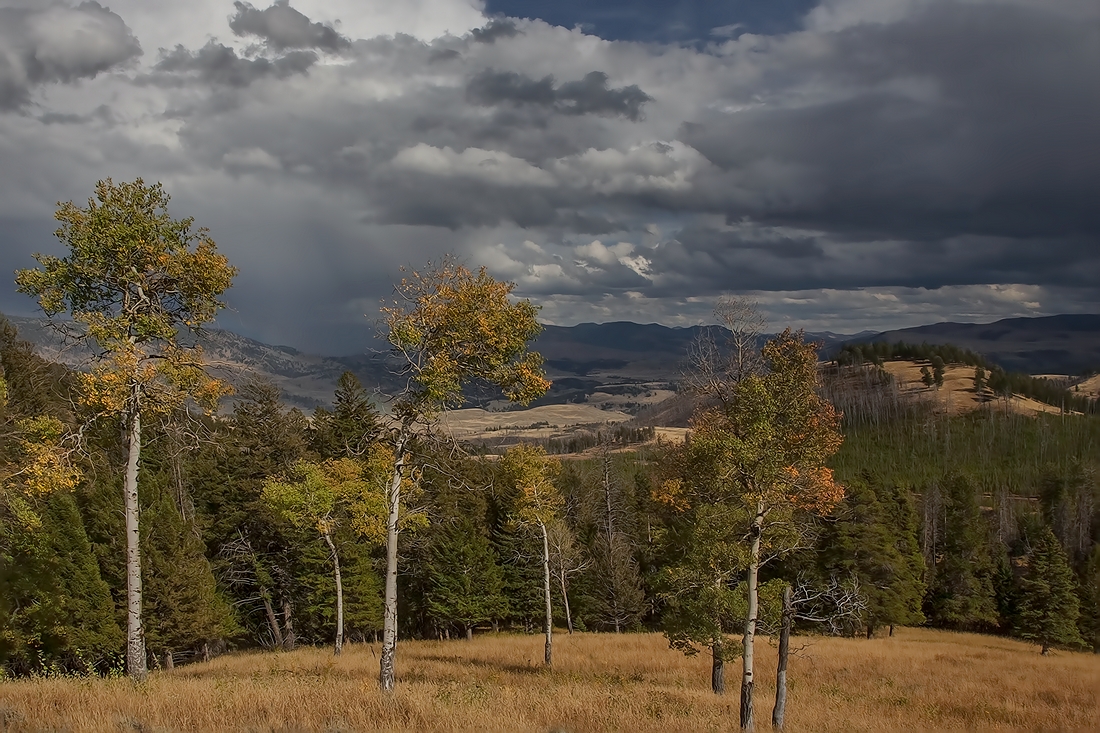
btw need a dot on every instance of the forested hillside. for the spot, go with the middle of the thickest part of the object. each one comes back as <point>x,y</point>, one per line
<point>988,521</point>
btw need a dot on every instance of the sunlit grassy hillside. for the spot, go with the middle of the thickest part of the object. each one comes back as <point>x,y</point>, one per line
<point>917,680</point>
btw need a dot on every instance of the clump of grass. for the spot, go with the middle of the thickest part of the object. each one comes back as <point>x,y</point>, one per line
<point>917,680</point>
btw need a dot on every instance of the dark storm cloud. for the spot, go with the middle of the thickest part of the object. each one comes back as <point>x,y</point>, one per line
<point>494,29</point>
<point>216,64</point>
<point>903,154</point>
<point>282,27</point>
<point>659,20</point>
<point>961,119</point>
<point>698,260</point>
<point>58,44</point>
<point>589,95</point>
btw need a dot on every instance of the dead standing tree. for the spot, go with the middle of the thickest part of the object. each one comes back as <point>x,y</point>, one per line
<point>834,607</point>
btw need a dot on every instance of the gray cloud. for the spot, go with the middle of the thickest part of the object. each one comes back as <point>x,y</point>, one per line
<point>589,95</point>
<point>216,64</point>
<point>960,118</point>
<point>494,29</point>
<point>282,27</point>
<point>889,157</point>
<point>57,43</point>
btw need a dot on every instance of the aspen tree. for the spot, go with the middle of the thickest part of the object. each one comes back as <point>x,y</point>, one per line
<point>133,277</point>
<point>447,326</point>
<point>540,504</point>
<point>768,444</point>
<point>321,495</point>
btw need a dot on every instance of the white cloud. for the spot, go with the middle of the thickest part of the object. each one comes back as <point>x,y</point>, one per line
<point>489,166</point>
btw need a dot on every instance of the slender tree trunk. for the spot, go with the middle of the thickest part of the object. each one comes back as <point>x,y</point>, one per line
<point>273,622</point>
<point>470,632</point>
<point>565,602</point>
<point>717,669</point>
<point>780,709</point>
<point>135,635</point>
<point>611,543</point>
<point>339,595</point>
<point>386,677</point>
<point>750,620</point>
<point>549,625</point>
<point>718,660</point>
<point>290,641</point>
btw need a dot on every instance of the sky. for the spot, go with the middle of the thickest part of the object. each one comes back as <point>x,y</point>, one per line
<point>849,164</point>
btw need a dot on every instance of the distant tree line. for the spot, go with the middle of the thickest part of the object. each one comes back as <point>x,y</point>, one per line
<point>579,440</point>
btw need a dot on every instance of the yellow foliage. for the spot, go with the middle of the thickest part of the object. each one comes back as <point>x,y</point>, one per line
<point>43,467</point>
<point>530,470</point>
<point>451,325</point>
<point>133,276</point>
<point>322,494</point>
<point>671,494</point>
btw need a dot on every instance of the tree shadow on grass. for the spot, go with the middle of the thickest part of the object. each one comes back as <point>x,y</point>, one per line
<point>529,667</point>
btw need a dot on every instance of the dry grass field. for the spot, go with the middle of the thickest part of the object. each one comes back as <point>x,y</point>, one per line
<point>957,393</point>
<point>536,422</point>
<point>917,680</point>
<point>1091,386</point>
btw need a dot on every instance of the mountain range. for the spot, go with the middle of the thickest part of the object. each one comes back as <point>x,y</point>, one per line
<point>1065,344</point>
<point>614,362</point>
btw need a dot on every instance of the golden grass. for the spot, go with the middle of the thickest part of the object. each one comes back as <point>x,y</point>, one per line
<point>474,422</point>
<point>957,394</point>
<point>918,680</point>
<point>1090,386</point>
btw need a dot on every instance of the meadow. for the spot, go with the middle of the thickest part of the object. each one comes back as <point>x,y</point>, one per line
<point>919,679</point>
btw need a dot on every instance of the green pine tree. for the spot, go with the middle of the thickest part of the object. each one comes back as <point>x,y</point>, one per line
<point>1089,623</point>
<point>466,584</point>
<point>875,542</point>
<point>56,612</point>
<point>183,609</point>
<point>960,594</point>
<point>1048,605</point>
<point>349,429</point>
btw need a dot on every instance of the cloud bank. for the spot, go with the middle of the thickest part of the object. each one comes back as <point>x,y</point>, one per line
<point>884,164</point>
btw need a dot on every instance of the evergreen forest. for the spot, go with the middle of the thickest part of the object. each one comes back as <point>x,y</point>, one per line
<point>988,521</point>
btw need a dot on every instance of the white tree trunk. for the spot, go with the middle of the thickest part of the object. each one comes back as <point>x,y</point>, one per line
<point>717,654</point>
<point>290,639</point>
<point>386,677</point>
<point>565,601</point>
<point>780,710</point>
<point>135,636</point>
<point>750,620</point>
<point>549,625</point>
<point>611,541</point>
<point>339,595</point>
